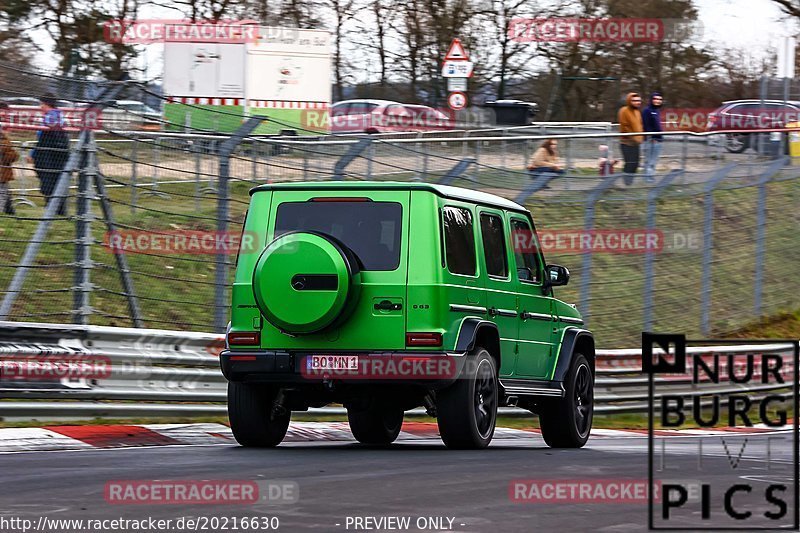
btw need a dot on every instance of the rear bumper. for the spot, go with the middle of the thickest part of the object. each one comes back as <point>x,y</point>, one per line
<point>429,369</point>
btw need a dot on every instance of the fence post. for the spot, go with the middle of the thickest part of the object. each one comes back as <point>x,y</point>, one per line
<point>568,163</point>
<point>457,171</point>
<point>221,274</point>
<point>761,230</point>
<point>418,176</point>
<point>83,235</point>
<point>22,198</point>
<point>708,244</point>
<point>652,197</point>
<point>588,225</point>
<point>134,161</point>
<point>370,157</point>
<point>349,157</point>
<point>194,150</point>
<point>153,190</point>
<point>503,147</point>
<point>684,151</point>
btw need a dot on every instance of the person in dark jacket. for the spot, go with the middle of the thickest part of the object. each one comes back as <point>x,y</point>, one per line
<point>8,156</point>
<point>51,152</point>
<point>651,120</point>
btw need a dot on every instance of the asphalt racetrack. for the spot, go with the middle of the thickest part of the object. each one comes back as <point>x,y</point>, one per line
<point>440,489</point>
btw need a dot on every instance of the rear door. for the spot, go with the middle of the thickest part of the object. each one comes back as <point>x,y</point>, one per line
<point>374,225</point>
<point>501,297</point>
<point>464,293</point>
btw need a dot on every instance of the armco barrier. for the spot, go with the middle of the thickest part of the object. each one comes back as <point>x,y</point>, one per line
<point>52,371</point>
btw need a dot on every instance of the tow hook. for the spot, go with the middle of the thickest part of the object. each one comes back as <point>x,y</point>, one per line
<point>278,408</point>
<point>430,406</point>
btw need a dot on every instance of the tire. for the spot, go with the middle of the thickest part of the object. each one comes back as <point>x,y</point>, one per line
<point>566,423</point>
<point>250,413</point>
<point>376,425</point>
<point>736,143</point>
<point>467,409</point>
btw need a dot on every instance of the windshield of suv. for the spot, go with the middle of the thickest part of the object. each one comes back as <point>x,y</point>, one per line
<point>370,229</point>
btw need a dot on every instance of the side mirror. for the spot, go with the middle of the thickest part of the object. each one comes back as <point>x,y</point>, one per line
<point>556,275</point>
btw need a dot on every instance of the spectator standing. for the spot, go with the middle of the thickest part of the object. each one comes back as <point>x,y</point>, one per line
<point>51,152</point>
<point>630,121</point>
<point>8,156</point>
<point>651,120</point>
<point>545,159</point>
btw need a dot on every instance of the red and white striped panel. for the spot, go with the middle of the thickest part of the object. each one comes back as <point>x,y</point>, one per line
<point>192,100</point>
<point>285,104</point>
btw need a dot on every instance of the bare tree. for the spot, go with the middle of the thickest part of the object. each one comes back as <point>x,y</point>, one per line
<point>342,11</point>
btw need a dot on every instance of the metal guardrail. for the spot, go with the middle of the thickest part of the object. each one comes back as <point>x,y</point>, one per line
<point>148,372</point>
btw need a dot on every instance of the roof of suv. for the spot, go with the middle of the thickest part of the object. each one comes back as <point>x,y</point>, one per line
<point>445,191</point>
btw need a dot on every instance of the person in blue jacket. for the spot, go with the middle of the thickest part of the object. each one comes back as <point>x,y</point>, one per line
<point>651,120</point>
<point>50,155</point>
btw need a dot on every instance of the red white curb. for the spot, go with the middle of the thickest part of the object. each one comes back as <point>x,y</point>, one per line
<point>49,438</point>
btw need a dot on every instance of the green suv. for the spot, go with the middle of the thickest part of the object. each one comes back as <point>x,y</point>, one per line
<point>388,296</point>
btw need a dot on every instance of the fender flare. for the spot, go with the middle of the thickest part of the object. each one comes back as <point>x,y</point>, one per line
<point>469,331</point>
<point>568,343</point>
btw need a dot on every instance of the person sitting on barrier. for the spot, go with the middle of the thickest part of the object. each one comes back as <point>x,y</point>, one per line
<point>8,156</point>
<point>545,160</point>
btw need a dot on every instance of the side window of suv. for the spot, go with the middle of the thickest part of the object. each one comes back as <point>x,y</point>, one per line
<point>494,245</point>
<point>459,241</point>
<point>526,249</point>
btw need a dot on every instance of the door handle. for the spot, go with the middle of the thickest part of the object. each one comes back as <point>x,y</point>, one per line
<point>386,305</point>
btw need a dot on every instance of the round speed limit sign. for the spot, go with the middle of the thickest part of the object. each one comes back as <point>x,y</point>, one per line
<point>457,100</point>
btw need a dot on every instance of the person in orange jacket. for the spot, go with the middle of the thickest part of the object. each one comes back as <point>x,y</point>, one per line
<point>8,156</point>
<point>630,121</point>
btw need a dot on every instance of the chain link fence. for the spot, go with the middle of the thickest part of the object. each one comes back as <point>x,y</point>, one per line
<point>719,229</point>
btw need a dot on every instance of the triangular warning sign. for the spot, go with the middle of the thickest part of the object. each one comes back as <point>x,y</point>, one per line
<point>456,52</point>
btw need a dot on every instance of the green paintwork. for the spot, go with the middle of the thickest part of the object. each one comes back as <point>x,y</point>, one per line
<point>302,311</point>
<point>422,283</point>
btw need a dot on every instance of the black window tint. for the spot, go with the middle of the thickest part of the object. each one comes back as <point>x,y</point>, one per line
<point>459,240</point>
<point>494,245</point>
<point>525,250</point>
<point>372,230</point>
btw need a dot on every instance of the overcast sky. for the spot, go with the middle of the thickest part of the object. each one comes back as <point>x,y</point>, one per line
<point>756,25</point>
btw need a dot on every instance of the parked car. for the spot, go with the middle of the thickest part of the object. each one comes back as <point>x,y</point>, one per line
<point>33,102</point>
<point>747,115</point>
<point>427,118</point>
<point>335,307</point>
<point>368,116</point>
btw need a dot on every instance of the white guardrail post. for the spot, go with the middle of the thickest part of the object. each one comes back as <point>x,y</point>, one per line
<point>129,372</point>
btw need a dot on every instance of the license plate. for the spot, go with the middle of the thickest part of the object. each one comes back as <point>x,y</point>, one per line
<point>333,362</point>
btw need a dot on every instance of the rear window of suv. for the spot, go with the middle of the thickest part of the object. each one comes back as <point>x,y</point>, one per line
<point>372,230</point>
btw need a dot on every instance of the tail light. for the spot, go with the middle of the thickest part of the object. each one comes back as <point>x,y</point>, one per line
<point>244,338</point>
<point>423,339</point>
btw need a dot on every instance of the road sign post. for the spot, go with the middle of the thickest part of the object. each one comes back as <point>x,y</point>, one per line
<point>456,69</point>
